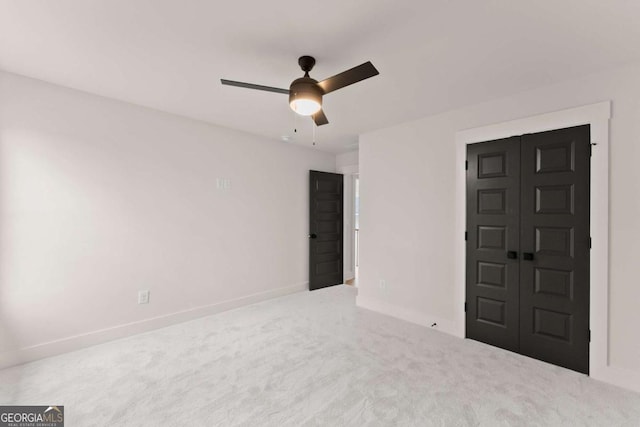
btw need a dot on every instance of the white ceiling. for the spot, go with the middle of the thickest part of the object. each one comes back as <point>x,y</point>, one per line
<point>432,55</point>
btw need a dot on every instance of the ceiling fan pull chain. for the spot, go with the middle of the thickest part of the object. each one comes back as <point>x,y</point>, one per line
<point>313,125</point>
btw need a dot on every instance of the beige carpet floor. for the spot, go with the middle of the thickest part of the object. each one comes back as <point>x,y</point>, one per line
<point>311,359</point>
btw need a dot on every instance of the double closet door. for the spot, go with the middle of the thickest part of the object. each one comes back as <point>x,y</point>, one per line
<point>527,266</point>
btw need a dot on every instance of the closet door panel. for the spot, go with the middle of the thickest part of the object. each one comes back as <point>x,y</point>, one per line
<point>493,186</point>
<point>554,239</point>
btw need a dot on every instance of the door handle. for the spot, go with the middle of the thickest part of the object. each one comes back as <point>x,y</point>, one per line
<point>528,256</point>
<point>512,254</point>
<point>313,235</point>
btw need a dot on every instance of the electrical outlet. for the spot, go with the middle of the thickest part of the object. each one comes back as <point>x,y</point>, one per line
<point>383,284</point>
<point>143,297</point>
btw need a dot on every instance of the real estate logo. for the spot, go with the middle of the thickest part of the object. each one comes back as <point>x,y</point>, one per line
<point>31,416</point>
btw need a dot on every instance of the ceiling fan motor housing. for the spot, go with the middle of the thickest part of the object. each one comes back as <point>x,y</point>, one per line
<point>307,89</point>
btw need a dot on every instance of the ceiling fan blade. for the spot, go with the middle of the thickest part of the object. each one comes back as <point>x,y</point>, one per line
<point>349,77</point>
<point>320,118</point>
<point>252,86</point>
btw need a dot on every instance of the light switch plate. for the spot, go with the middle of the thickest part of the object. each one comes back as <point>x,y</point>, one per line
<point>143,297</point>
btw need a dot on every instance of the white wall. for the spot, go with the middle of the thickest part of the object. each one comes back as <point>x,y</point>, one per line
<point>99,199</point>
<point>408,175</point>
<point>347,164</point>
<point>347,160</point>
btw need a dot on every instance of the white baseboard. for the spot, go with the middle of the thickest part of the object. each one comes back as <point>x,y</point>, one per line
<point>442,325</point>
<point>65,345</point>
<point>619,377</point>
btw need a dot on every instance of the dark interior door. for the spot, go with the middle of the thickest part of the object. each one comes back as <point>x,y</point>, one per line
<point>554,236</point>
<point>493,220</point>
<point>325,229</point>
<point>528,245</point>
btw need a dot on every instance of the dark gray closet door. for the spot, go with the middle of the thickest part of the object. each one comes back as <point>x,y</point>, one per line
<point>493,215</point>
<point>554,237</point>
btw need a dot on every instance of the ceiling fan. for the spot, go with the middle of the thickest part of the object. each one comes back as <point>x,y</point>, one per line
<point>305,93</point>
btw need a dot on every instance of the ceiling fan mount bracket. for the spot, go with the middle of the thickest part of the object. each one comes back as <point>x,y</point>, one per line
<point>306,62</point>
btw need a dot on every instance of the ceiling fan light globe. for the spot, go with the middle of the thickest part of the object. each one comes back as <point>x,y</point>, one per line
<point>305,107</point>
<point>305,96</point>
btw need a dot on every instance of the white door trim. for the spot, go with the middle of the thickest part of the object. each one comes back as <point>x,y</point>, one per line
<point>597,116</point>
<point>349,172</point>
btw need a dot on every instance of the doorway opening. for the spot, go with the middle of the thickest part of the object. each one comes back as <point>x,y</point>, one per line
<point>356,227</point>
<point>352,230</point>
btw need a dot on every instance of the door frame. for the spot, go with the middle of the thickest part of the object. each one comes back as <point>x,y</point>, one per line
<point>597,116</point>
<point>350,172</point>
